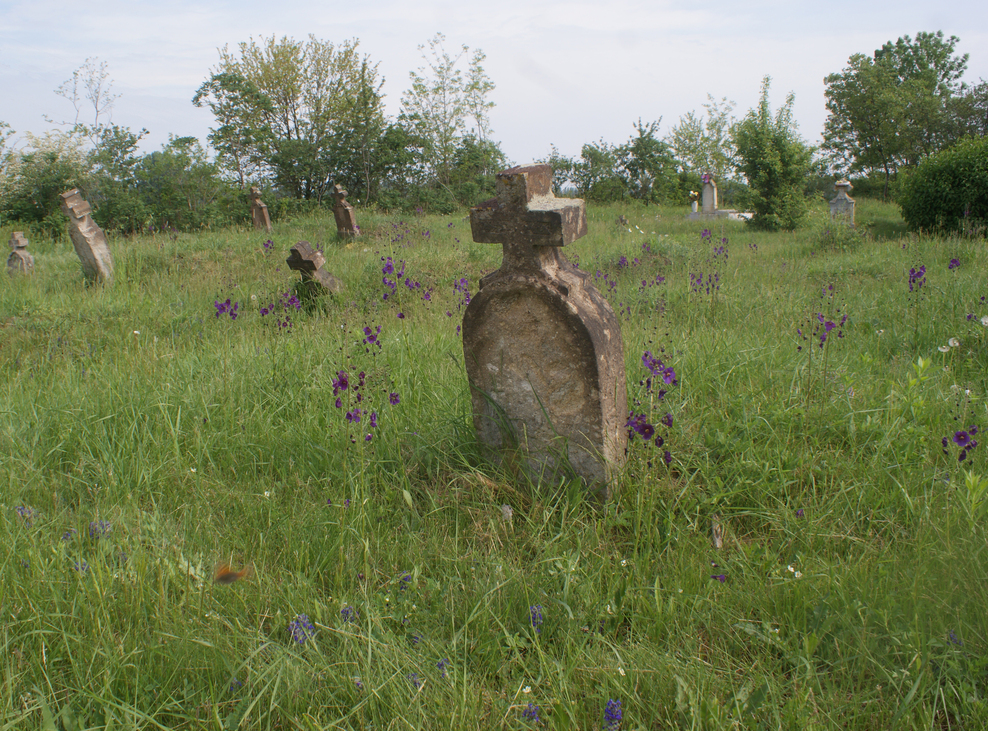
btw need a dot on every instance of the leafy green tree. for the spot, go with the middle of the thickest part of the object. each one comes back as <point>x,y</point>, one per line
<point>775,161</point>
<point>38,174</point>
<point>241,137</point>
<point>647,165</point>
<point>111,188</point>
<point>893,109</point>
<point>948,191</point>
<point>562,169</point>
<point>291,106</point>
<point>180,188</point>
<point>704,144</point>
<point>598,173</point>
<point>441,100</point>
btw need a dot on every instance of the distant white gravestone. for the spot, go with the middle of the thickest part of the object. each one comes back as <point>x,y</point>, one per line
<point>842,206</point>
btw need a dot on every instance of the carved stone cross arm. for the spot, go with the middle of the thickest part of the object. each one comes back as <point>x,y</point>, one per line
<point>526,216</point>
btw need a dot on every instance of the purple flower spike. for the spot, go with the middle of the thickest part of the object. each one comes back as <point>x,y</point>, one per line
<point>722,578</point>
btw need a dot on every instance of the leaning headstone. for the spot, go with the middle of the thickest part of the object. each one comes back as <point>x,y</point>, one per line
<point>310,262</point>
<point>19,261</point>
<point>709,194</point>
<point>542,346</point>
<point>87,238</point>
<point>842,206</point>
<point>346,216</point>
<point>259,211</point>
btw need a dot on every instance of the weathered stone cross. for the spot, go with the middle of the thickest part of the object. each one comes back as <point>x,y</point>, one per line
<point>542,346</point>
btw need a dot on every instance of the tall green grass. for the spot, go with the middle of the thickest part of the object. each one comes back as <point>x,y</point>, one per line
<point>853,550</point>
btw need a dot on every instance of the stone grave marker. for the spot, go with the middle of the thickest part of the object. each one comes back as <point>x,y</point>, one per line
<point>87,238</point>
<point>708,204</point>
<point>542,346</point>
<point>842,206</point>
<point>709,194</point>
<point>19,261</point>
<point>346,216</point>
<point>259,211</point>
<point>309,261</point>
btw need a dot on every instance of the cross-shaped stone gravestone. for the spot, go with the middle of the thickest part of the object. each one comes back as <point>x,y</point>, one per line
<point>87,238</point>
<point>259,211</point>
<point>310,262</point>
<point>542,346</point>
<point>346,216</point>
<point>19,261</point>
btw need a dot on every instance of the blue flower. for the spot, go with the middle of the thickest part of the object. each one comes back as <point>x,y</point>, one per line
<point>301,629</point>
<point>349,614</point>
<point>531,713</point>
<point>536,613</point>
<point>612,715</point>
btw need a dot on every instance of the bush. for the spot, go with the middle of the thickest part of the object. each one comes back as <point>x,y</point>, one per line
<point>948,191</point>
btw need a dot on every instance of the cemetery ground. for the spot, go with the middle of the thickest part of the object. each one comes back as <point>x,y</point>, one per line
<point>374,571</point>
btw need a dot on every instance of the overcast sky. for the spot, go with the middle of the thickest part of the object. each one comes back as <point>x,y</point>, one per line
<point>566,73</point>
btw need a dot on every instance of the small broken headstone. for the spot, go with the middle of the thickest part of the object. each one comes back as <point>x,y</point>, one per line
<point>542,346</point>
<point>87,238</point>
<point>19,261</point>
<point>346,216</point>
<point>310,262</point>
<point>842,206</point>
<point>259,211</point>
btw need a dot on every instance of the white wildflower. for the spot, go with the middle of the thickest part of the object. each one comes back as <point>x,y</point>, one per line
<point>944,348</point>
<point>954,343</point>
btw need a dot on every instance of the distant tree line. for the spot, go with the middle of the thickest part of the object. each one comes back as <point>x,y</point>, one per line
<point>296,117</point>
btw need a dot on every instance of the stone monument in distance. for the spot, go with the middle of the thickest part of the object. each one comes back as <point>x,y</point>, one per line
<point>542,346</point>
<point>303,258</point>
<point>346,216</point>
<point>19,261</point>
<point>842,206</point>
<point>87,238</point>
<point>259,211</point>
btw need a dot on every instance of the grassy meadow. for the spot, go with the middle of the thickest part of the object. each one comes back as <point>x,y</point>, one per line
<point>395,580</point>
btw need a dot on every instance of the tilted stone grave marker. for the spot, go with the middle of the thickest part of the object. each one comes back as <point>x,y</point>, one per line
<point>19,261</point>
<point>310,262</point>
<point>259,211</point>
<point>87,238</point>
<point>542,346</point>
<point>842,206</point>
<point>346,216</point>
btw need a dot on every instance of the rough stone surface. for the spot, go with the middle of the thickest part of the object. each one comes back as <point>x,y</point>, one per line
<point>259,211</point>
<point>309,261</point>
<point>19,261</point>
<point>842,206</point>
<point>542,346</point>
<point>346,216</point>
<point>87,238</point>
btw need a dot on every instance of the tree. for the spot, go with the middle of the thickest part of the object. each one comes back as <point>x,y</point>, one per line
<point>893,109</point>
<point>647,165</point>
<point>439,102</point>
<point>597,173</point>
<point>704,145</point>
<point>239,108</point>
<point>562,169</point>
<point>91,83</point>
<point>948,191</point>
<point>775,162</point>
<point>288,106</point>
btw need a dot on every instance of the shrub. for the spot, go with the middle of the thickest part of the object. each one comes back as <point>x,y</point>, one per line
<point>948,191</point>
